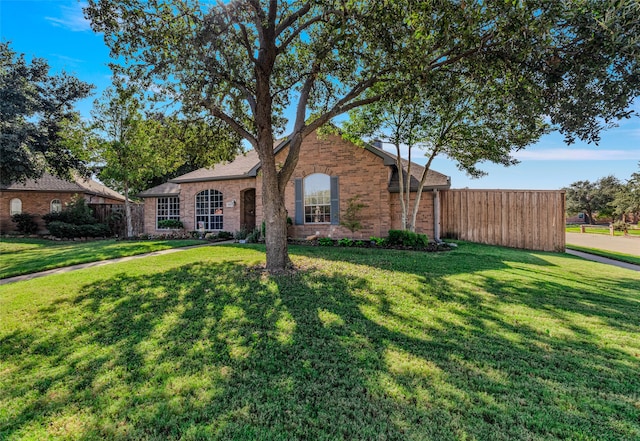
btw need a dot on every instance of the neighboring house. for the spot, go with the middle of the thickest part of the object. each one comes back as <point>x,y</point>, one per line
<point>330,171</point>
<point>49,194</point>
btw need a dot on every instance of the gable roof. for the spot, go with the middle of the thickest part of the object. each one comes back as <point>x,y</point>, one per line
<point>50,183</point>
<point>247,165</point>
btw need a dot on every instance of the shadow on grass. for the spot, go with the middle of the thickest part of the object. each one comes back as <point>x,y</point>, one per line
<point>220,351</point>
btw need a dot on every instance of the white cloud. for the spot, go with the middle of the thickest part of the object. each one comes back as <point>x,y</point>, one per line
<point>71,18</point>
<point>577,155</point>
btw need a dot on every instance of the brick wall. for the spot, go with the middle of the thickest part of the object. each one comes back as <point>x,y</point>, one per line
<point>231,190</point>
<point>33,202</point>
<point>360,172</point>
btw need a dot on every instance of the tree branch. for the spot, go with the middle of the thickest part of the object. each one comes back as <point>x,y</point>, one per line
<point>235,125</point>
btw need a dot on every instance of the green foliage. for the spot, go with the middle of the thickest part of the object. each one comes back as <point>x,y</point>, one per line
<point>36,107</point>
<point>351,218</point>
<point>70,231</point>
<point>346,242</point>
<point>25,223</point>
<point>225,235</point>
<point>379,241</point>
<point>326,242</point>
<point>77,212</point>
<point>241,234</point>
<point>407,238</point>
<point>171,223</point>
<point>592,197</point>
<point>621,226</point>
<point>254,236</point>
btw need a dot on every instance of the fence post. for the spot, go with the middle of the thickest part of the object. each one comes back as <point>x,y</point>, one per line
<point>582,228</point>
<point>611,229</point>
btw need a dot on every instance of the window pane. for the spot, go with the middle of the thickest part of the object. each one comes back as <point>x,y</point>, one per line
<point>317,198</point>
<point>16,206</point>
<point>56,206</point>
<point>209,210</point>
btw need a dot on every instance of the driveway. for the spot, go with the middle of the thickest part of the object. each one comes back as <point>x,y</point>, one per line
<point>619,244</point>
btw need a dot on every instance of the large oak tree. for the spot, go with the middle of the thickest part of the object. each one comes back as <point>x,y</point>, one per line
<point>247,61</point>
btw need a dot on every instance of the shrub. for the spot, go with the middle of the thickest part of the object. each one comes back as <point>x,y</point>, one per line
<point>241,234</point>
<point>77,212</point>
<point>170,223</point>
<point>345,242</point>
<point>351,216</point>
<point>325,242</point>
<point>254,236</point>
<point>621,226</point>
<point>359,243</point>
<point>25,223</point>
<point>407,238</point>
<point>225,235</point>
<point>379,241</point>
<point>116,222</point>
<point>69,231</point>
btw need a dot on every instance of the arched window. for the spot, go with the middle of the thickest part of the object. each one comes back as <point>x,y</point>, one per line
<point>209,210</point>
<point>56,206</point>
<point>16,206</point>
<point>317,199</point>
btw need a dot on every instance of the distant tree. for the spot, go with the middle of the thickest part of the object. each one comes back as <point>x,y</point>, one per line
<point>627,200</point>
<point>246,61</point>
<point>592,197</point>
<point>34,109</point>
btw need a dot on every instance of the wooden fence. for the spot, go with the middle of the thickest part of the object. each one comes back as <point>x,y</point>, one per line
<point>529,219</point>
<point>104,212</point>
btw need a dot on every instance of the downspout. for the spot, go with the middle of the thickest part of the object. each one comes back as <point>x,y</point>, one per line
<point>436,216</point>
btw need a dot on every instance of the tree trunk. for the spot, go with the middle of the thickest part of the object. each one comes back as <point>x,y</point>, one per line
<point>127,211</point>
<point>275,218</point>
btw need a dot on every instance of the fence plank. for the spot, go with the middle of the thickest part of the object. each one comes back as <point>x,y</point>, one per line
<point>529,219</point>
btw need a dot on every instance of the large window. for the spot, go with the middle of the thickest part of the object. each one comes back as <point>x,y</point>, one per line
<point>209,210</point>
<point>56,206</point>
<point>16,206</point>
<point>166,209</point>
<point>317,199</point>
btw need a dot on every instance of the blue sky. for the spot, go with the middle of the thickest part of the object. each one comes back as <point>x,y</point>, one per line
<point>56,30</point>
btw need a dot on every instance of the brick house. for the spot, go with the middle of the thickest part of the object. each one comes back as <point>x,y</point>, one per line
<point>330,171</point>
<point>49,194</point>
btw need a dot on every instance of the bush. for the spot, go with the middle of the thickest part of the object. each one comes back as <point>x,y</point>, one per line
<point>621,226</point>
<point>69,231</point>
<point>254,236</point>
<point>325,242</point>
<point>241,234</point>
<point>379,241</point>
<point>77,212</point>
<point>225,235</point>
<point>407,238</point>
<point>25,223</point>
<point>345,242</point>
<point>170,223</point>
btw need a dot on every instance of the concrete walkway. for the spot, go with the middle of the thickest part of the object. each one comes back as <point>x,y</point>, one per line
<point>619,244</point>
<point>80,266</point>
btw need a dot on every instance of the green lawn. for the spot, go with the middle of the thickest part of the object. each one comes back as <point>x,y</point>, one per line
<point>629,258</point>
<point>24,256</point>
<point>480,343</point>
<point>602,230</point>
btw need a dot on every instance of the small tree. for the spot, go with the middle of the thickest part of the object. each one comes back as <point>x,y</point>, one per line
<point>351,217</point>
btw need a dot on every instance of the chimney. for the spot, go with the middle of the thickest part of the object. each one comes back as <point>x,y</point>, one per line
<point>377,143</point>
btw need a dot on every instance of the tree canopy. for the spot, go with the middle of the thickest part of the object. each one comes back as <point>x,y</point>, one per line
<point>247,62</point>
<point>35,108</point>
<point>592,198</point>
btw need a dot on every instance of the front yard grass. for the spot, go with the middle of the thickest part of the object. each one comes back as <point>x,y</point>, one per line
<point>602,230</point>
<point>622,257</point>
<point>477,343</point>
<point>24,256</point>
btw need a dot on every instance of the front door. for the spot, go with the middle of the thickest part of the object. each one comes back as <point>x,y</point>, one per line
<point>248,220</point>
